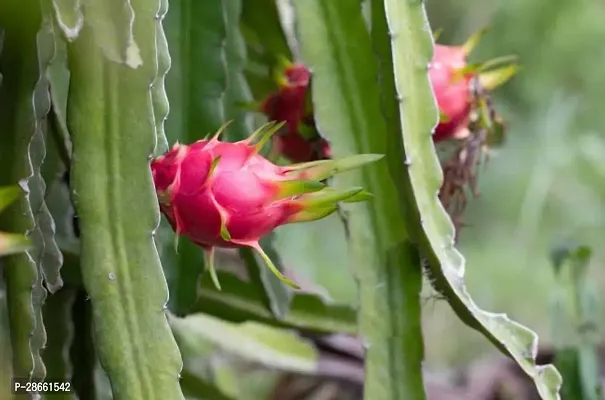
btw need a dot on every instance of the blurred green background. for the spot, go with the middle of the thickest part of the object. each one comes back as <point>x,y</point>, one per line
<point>543,186</point>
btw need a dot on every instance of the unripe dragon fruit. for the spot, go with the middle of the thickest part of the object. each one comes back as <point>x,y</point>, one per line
<point>299,141</point>
<point>223,194</point>
<point>450,75</point>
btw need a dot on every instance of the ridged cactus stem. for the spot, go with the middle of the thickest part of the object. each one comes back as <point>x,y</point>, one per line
<point>113,61</point>
<point>24,103</point>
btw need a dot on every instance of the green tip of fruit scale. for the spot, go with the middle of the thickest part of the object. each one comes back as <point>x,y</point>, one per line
<point>313,214</point>
<point>283,62</point>
<point>494,78</point>
<point>176,243</point>
<point>213,166</point>
<point>225,235</point>
<point>272,266</point>
<point>328,197</point>
<point>323,169</point>
<point>279,71</point>
<point>359,197</point>
<point>263,134</point>
<point>12,243</point>
<point>280,78</point>
<point>297,187</point>
<point>443,117</point>
<point>473,40</point>
<point>437,33</point>
<point>220,131</point>
<point>209,258</point>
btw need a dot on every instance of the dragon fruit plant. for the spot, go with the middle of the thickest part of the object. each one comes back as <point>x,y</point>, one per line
<point>467,118</point>
<point>224,194</point>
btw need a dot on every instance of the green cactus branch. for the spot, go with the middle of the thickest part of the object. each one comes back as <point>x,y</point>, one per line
<point>411,50</point>
<point>24,103</point>
<point>110,118</point>
<point>337,47</point>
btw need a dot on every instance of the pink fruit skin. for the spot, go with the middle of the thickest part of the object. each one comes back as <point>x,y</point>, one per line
<point>452,95</point>
<point>241,191</point>
<point>288,104</point>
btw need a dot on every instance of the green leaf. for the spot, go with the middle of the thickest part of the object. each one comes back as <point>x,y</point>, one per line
<point>112,61</point>
<point>336,44</point>
<point>429,225</point>
<point>24,103</point>
<point>250,341</point>
<point>239,301</point>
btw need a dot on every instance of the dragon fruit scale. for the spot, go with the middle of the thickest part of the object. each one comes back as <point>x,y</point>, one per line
<point>224,194</point>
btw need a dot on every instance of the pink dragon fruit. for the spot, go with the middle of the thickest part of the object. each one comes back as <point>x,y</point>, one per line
<point>223,194</point>
<point>299,141</point>
<point>451,75</point>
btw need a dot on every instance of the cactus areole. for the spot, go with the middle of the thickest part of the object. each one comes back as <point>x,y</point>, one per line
<point>223,194</point>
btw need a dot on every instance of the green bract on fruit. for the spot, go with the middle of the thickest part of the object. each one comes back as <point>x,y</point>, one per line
<point>222,194</point>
